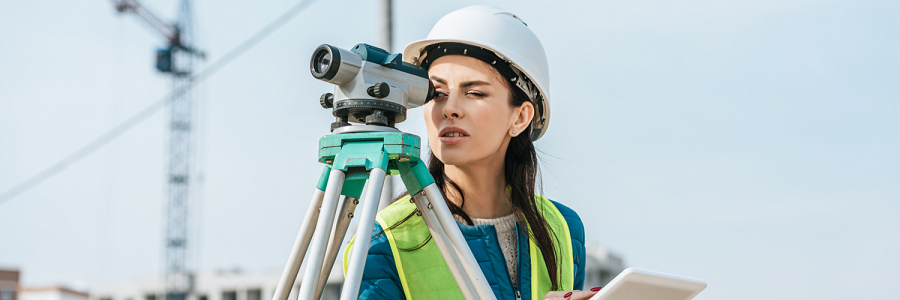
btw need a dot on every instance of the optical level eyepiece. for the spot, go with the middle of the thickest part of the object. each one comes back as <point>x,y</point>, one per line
<point>334,65</point>
<point>325,62</point>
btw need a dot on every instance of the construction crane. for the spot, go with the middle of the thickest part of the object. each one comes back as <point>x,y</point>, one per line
<point>177,60</point>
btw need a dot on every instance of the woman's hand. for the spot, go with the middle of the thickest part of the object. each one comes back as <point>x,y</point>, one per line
<point>572,295</point>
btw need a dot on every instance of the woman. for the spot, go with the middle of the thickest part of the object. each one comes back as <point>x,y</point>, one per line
<point>490,76</point>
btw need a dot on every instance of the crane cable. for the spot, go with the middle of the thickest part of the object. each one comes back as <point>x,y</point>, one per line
<point>154,107</point>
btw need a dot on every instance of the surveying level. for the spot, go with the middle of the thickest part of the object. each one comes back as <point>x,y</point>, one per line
<point>372,86</point>
<point>375,88</point>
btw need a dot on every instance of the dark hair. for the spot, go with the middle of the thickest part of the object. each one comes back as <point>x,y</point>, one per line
<point>522,176</point>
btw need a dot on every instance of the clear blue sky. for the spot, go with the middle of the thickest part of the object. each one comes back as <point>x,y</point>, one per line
<point>755,144</point>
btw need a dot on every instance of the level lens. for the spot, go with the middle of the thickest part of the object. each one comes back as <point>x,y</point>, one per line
<point>325,62</point>
<point>322,61</point>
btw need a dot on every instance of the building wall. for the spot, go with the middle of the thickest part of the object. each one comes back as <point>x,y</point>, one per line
<point>601,267</point>
<point>9,284</point>
<point>222,285</point>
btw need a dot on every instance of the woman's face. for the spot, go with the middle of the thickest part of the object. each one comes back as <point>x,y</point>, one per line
<point>470,119</point>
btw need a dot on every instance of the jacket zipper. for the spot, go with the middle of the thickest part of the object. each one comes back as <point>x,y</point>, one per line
<point>518,295</point>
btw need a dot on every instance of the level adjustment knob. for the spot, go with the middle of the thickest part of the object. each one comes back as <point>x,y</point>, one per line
<point>338,123</point>
<point>379,90</point>
<point>377,118</point>
<point>327,100</point>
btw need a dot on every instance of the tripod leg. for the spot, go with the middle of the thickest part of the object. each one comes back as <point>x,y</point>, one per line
<point>387,193</point>
<point>447,251</point>
<point>320,237</point>
<point>301,244</point>
<point>357,260</point>
<point>345,213</point>
<point>470,265</point>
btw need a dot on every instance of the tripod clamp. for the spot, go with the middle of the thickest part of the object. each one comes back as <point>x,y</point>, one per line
<point>395,152</point>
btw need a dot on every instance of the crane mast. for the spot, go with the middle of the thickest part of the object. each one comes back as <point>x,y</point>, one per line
<point>176,60</point>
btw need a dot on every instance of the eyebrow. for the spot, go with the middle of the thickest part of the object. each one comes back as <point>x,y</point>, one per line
<point>473,83</point>
<point>464,84</point>
<point>438,79</point>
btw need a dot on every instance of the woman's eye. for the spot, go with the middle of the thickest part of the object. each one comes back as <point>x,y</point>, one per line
<point>439,94</point>
<point>475,93</point>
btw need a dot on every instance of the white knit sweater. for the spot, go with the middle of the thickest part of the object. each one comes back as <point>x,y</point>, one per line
<point>506,236</point>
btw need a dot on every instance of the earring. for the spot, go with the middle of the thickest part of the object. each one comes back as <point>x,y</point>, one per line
<point>514,132</point>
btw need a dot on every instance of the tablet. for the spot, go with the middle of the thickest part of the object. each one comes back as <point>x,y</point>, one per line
<point>637,284</point>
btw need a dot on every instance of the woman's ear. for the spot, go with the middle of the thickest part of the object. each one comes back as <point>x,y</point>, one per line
<point>521,118</point>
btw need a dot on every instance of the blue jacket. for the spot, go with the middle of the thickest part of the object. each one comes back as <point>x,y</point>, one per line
<point>380,279</point>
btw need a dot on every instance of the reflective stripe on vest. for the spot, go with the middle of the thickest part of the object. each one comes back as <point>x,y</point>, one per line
<point>540,278</point>
<point>423,272</point>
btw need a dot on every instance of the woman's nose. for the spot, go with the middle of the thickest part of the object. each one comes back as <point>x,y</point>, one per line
<point>453,107</point>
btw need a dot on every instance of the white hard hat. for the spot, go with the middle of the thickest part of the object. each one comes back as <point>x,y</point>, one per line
<point>493,33</point>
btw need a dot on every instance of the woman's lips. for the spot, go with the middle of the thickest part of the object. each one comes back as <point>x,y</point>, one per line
<point>452,135</point>
<point>452,139</point>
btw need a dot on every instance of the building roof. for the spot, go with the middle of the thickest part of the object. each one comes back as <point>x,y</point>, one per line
<point>54,288</point>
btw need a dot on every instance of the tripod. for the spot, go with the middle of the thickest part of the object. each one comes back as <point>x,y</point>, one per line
<point>353,156</point>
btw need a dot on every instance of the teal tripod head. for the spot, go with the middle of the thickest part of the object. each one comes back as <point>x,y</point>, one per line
<point>371,86</point>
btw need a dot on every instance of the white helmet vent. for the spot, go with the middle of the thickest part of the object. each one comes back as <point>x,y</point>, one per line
<point>514,16</point>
